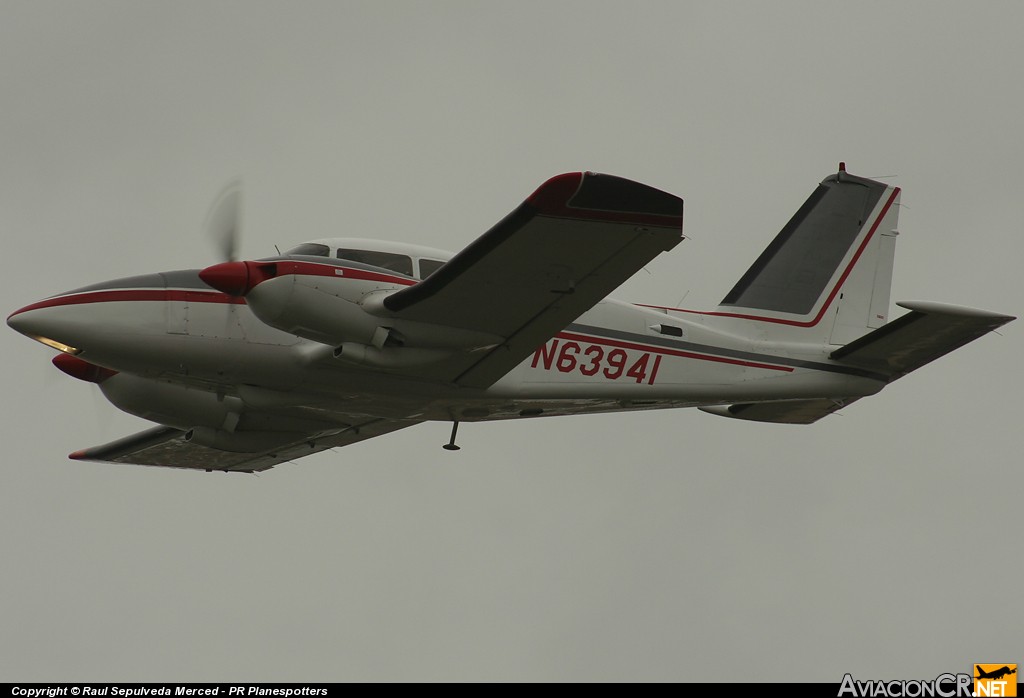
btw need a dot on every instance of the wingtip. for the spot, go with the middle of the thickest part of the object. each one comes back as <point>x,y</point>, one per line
<point>593,196</point>
<point>554,194</point>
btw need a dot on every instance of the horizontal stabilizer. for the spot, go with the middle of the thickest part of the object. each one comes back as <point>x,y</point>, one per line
<point>167,447</point>
<point>781,411</point>
<point>909,342</point>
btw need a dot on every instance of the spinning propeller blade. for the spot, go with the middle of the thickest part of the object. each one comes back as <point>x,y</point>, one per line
<point>224,221</point>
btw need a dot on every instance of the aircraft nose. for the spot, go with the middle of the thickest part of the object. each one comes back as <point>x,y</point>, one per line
<point>22,320</point>
<point>16,321</point>
<point>43,325</point>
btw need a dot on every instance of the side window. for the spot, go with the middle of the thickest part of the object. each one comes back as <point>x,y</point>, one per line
<point>429,266</point>
<point>386,260</point>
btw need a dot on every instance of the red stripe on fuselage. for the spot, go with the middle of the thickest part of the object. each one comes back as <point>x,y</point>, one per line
<point>112,296</point>
<point>655,349</point>
<point>211,296</point>
<point>828,301</point>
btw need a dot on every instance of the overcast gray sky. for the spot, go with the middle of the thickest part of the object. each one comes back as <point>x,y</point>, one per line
<point>883,541</point>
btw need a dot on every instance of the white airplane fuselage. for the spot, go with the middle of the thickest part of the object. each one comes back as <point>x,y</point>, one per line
<point>168,345</point>
<point>249,364</point>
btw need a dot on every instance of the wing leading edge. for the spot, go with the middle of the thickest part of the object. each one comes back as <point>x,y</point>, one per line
<point>571,243</point>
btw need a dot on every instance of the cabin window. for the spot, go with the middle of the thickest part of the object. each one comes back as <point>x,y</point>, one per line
<point>311,248</point>
<point>429,266</point>
<point>386,260</point>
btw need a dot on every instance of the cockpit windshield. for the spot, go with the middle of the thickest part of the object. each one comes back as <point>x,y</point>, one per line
<point>311,248</point>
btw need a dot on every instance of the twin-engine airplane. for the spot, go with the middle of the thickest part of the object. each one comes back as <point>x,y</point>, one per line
<point>247,364</point>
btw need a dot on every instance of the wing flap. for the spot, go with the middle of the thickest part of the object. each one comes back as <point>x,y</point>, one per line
<point>571,243</point>
<point>167,447</point>
<point>929,331</point>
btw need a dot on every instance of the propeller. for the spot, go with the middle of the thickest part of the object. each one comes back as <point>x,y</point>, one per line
<point>224,221</point>
<point>224,228</point>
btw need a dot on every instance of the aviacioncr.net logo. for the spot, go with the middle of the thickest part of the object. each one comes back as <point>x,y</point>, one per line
<point>943,686</point>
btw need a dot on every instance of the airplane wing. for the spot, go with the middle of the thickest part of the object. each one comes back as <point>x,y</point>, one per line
<point>571,243</point>
<point>166,446</point>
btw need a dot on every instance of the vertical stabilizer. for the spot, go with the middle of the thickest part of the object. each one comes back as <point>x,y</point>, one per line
<point>828,272</point>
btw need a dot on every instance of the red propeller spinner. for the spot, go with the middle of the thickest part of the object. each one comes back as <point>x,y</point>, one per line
<point>237,278</point>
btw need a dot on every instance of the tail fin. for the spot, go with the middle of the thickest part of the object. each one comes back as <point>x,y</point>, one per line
<point>829,271</point>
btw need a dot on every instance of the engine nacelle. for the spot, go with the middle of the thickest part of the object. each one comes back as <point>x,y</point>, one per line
<point>314,308</point>
<point>342,309</point>
<point>167,403</point>
<point>191,408</point>
<point>335,305</point>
